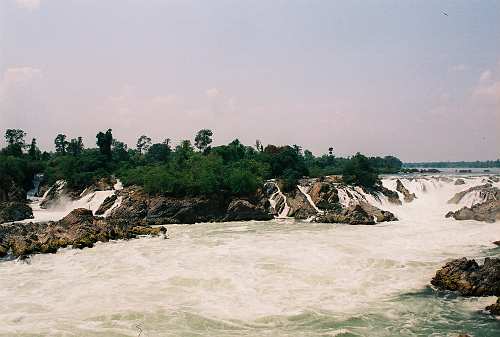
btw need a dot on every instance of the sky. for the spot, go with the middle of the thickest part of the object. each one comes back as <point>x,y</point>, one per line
<point>416,79</point>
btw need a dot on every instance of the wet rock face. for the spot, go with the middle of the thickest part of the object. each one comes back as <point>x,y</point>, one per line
<point>79,229</point>
<point>324,195</point>
<point>242,210</point>
<point>392,196</point>
<point>14,211</point>
<point>106,204</point>
<point>360,214</point>
<point>408,197</point>
<point>459,181</point>
<point>488,211</point>
<point>469,278</point>
<point>486,192</point>
<point>300,207</point>
<point>161,210</point>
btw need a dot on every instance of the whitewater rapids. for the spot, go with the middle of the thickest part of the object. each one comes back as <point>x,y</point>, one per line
<point>276,278</point>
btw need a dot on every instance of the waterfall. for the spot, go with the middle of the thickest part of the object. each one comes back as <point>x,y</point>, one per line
<point>274,201</point>
<point>304,191</point>
<point>37,179</point>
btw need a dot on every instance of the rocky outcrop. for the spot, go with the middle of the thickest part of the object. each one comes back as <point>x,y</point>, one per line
<point>160,210</point>
<point>359,214</point>
<point>391,195</point>
<point>468,278</point>
<point>488,211</point>
<point>324,195</point>
<point>459,181</point>
<point>14,211</point>
<point>408,197</point>
<point>106,204</point>
<point>242,210</point>
<point>78,229</point>
<point>494,309</point>
<point>300,207</point>
<point>486,193</point>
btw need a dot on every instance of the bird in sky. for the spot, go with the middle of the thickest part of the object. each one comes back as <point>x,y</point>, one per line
<point>444,13</point>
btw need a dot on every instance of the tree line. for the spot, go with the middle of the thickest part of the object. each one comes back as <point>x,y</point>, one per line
<point>184,169</point>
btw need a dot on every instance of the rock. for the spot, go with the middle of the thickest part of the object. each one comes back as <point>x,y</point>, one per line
<point>160,210</point>
<point>408,197</point>
<point>486,193</point>
<point>468,278</point>
<point>242,210</point>
<point>488,211</point>
<point>324,195</point>
<point>79,229</point>
<point>445,179</point>
<point>379,214</point>
<point>14,211</point>
<point>496,243</point>
<point>494,179</point>
<point>494,309</point>
<point>459,181</point>
<point>106,204</point>
<point>354,215</point>
<point>392,196</point>
<point>300,207</point>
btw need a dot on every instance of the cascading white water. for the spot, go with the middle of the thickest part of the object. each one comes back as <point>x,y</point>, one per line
<point>278,194</point>
<point>304,191</point>
<point>64,206</point>
<point>277,278</point>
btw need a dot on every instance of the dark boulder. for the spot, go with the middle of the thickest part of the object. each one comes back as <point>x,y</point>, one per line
<point>243,210</point>
<point>468,278</point>
<point>14,211</point>
<point>494,309</point>
<point>488,211</point>
<point>391,195</point>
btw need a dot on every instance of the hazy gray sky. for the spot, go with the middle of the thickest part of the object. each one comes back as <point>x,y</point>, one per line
<point>380,77</point>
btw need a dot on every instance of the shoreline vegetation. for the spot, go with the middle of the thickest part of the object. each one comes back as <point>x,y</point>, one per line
<point>186,169</point>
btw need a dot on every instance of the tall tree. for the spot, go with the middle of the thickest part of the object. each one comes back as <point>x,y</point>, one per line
<point>75,146</point>
<point>120,151</point>
<point>15,142</point>
<point>61,144</point>
<point>203,139</point>
<point>143,143</point>
<point>34,152</point>
<point>104,141</point>
<point>259,146</point>
<point>330,151</point>
<point>15,136</point>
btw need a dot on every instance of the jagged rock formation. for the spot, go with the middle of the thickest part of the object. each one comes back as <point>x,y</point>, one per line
<point>106,204</point>
<point>468,278</point>
<point>408,197</point>
<point>392,196</point>
<point>486,209</point>
<point>79,229</point>
<point>358,214</point>
<point>145,209</point>
<point>300,207</point>
<point>459,181</point>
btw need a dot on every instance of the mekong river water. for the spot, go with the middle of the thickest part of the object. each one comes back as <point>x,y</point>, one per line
<point>276,278</point>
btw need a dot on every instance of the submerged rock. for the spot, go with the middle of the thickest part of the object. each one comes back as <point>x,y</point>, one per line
<point>79,229</point>
<point>468,278</point>
<point>486,193</point>
<point>14,211</point>
<point>408,197</point>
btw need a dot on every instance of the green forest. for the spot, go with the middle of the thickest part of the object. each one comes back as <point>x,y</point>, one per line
<point>187,168</point>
